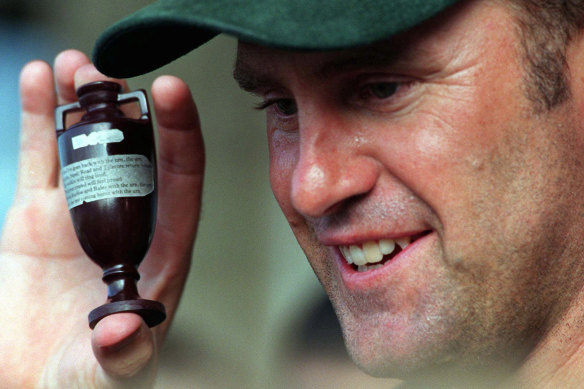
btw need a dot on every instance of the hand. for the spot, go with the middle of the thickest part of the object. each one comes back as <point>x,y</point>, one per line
<point>48,285</point>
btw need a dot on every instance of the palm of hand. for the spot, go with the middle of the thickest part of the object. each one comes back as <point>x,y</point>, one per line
<point>48,283</point>
<point>56,280</point>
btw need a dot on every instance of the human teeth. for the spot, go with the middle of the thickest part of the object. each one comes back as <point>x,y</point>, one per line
<point>372,252</point>
<point>403,242</point>
<point>357,255</point>
<point>366,268</point>
<point>386,246</point>
<point>346,254</point>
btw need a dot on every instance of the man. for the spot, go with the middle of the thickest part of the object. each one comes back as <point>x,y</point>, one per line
<point>427,156</point>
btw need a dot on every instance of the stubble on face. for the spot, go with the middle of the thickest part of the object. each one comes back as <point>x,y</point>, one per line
<point>507,279</point>
<point>504,213</point>
<point>498,295</point>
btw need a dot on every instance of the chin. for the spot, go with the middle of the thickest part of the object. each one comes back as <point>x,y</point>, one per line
<point>429,364</point>
<point>396,354</point>
<point>387,367</point>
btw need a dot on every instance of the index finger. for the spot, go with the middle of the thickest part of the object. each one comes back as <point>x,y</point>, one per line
<point>38,166</point>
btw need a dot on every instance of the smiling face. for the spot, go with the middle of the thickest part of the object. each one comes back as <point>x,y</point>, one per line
<point>438,210</point>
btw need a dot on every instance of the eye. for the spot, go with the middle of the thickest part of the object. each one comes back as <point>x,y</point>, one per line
<point>381,93</point>
<point>286,107</point>
<point>382,90</point>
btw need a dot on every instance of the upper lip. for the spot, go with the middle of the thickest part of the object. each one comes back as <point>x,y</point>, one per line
<point>358,239</point>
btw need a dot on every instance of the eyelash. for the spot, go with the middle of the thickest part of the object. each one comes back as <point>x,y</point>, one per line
<point>363,93</point>
<point>366,95</point>
<point>270,102</point>
<point>262,105</point>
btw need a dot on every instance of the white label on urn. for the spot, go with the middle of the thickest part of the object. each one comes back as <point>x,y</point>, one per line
<point>127,175</point>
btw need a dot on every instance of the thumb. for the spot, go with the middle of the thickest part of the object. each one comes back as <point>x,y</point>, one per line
<point>125,348</point>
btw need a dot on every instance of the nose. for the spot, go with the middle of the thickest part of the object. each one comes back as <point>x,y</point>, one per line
<point>332,167</point>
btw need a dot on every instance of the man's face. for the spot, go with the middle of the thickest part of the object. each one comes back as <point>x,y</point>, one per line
<point>426,140</point>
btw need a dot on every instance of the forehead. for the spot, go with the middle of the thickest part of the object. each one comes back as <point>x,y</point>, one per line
<point>258,67</point>
<point>432,43</point>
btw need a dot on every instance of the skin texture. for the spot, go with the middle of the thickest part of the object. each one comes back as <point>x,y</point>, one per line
<point>457,151</point>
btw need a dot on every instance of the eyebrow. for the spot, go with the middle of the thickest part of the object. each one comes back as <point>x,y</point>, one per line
<point>252,79</point>
<point>381,55</point>
<point>249,80</point>
<point>358,60</point>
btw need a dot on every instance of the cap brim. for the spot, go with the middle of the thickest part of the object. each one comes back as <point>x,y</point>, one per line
<point>164,31</point>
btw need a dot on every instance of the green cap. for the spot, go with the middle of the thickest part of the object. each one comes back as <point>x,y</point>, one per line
<point>168,29</point>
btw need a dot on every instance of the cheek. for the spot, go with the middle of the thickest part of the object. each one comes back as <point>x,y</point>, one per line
<point>449,153</point>
<point>283,158</point>
<point>435,163</point>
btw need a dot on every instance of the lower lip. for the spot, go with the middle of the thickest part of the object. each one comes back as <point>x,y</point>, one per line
<point>354,279</point>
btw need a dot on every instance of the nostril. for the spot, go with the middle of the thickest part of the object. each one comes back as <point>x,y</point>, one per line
<point>335,208</point>
<point>343,204</point>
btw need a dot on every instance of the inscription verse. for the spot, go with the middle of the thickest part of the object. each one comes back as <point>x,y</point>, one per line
<point>129,175</point>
